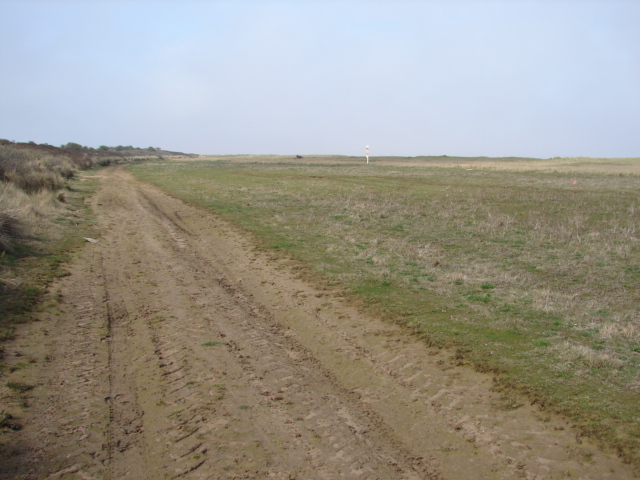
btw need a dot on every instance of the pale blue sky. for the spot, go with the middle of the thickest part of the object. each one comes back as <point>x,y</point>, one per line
<point>455,77</point>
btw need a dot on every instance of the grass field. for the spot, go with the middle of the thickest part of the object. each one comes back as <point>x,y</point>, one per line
<point>528,269</point>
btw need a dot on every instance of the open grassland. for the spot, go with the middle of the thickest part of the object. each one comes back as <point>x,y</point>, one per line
<point>531,272</point>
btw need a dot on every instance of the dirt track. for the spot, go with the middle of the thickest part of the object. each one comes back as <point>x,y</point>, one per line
<point>177,350</point>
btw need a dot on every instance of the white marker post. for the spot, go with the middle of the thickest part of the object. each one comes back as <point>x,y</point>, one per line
<point>367,154</point>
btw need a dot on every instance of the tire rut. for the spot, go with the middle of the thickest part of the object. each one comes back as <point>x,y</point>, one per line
<point>125,443</point>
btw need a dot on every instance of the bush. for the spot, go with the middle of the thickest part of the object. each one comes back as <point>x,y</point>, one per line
<point>30,216</point>
<point>72,146</point>
<point>34,170</point>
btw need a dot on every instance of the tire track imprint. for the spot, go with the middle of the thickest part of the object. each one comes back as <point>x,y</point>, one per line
<point>124,444</point>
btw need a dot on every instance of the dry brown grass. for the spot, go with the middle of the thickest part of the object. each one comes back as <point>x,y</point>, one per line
<point>33,170</point>
<point>10,225</point>
<point>583,356</point>
<point>33,216</point>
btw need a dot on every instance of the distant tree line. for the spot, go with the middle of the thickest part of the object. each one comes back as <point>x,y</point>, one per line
<point>33,167</point>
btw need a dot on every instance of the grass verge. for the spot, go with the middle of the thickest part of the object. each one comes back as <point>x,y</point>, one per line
<point>532,275</point>
<point>52,231</point>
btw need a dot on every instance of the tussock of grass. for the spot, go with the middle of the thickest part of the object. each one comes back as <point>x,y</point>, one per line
<point>531,275</point>
<point>588,356</point>
<point>24,216</point>
<point>32,170</point>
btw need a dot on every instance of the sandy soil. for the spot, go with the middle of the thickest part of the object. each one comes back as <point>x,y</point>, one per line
<point>175,349</point>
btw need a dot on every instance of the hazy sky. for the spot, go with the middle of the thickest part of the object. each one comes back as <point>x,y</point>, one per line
<point>450,77</point>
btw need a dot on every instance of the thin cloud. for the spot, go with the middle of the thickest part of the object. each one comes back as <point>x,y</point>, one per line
<point>495,78</point>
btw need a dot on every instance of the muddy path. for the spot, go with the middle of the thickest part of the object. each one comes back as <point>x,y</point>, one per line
<point>175,349</point>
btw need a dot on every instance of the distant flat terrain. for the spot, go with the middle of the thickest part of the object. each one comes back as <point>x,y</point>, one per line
<point>570,164</point>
